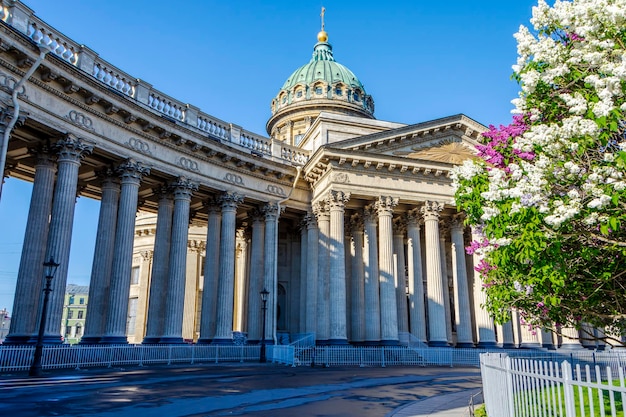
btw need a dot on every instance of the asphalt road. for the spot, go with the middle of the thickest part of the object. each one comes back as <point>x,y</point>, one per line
<point>228,390</point>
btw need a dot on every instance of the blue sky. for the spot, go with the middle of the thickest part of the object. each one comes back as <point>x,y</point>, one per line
<point>418,59</point>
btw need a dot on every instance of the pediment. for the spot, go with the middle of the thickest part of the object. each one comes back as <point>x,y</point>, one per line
<point>452,150</point>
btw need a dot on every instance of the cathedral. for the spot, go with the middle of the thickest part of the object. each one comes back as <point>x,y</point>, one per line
<point>345,224</point>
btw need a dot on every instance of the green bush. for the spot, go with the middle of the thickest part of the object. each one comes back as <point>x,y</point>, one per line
<point>480,411</point>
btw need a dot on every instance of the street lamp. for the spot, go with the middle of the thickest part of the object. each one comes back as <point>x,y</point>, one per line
<point>264,294</point>
<point>50,268</point>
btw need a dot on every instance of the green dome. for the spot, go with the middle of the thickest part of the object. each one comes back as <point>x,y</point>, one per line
<point>323,67</point>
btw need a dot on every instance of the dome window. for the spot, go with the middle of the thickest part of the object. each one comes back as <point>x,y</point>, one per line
<point>318,90</point>
<point>284,99</point>
<point>357,97</point>
<point>299,93</point>
<point>338,91</point>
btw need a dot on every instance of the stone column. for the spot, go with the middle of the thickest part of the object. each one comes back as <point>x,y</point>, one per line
<point>257,269</point>
<point>357,293</point>
<point>444,230</point>
<point>372,291</point>
<point>241,257</point>
<point>417,311</point>
<point>102,261</point>
<point>388,307</point>
<point>310,325</point>
<point>226,283</point>
<point>337,266</point>
<point>462,311</point>
<point>131,173</point>
<point>208,318</point>
<point>270,276</point>
<point>508,341</point>
<point>70,152</point>
<point>182,189</point>
<point>160,268</point>
<point>436,294</point>
<point>192,290</point>
<point>304,248</point>
<point>546,339</point>
<point>484,322</point>
<point>29,285</point>
<point>323,325</point>
<point>399,231</point>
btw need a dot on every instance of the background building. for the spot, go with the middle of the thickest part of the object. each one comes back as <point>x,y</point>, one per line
<point>74,313</point>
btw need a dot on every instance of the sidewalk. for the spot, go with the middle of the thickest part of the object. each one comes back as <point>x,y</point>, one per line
<point>449,405</point>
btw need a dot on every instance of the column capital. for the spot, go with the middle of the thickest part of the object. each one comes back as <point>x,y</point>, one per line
<point>183,188</point>
<point>369,214</point>
<point>444,228</point>
<point>230,200</point>
<point>386,204</point>
<point>337,199</point>
<point>310,220</point>
<point>321,210</point>
<point>131,171</point>
<point>356,223</point>
<point>256,214</point>
<point>413,218</point>
<point>146,255</point>
<point>43,154</point>
<point>457,221</point>
<point>272,210</point>
<point>212,205</point>
<point>71,149</point>
<point>399,225</point>
<point>431,209</point>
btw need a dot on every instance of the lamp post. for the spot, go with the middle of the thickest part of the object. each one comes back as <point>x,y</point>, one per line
<point>264,294</point>
<point>50,268</point>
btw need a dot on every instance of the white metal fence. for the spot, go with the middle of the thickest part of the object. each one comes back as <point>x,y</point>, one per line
<point>516,387</point>
<point>19,358</point>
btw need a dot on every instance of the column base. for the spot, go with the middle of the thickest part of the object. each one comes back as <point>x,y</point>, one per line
<point>321,342</point>
<point>222,342</point>
<point>48,339</point>
<point>391,342</point>
<point>508,346</point>
<point>464,345</point>
<point>438,343</point>
<point>548,346</point>
<point>371,343</point>
<point>338,342</point>
<point>571,346</point>
<point>534,345</point>
<point>152,340</point>
<point>171,341</point>
<point>89,340</point>
<point>206,341</point>
<point>487,345</point>
<point>357,343</point>
<point>19,340</point>
<point>113,340</point>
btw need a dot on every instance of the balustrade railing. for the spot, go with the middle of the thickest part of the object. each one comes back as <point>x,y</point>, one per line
<point>19,358</point>
<point>22,19</point>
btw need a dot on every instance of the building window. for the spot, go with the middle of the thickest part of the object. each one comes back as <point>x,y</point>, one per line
<point>70,300</point>
<point>81,301</point>
<point>318,90</point>
<point>132,316</point>
<point>338,92</point>
<point>70,314</point>
<point>134,275</point>
<point>357,97</point>
<point>80,314</point>
<point>297,139</point>
<point>79,331</point>
<point>299,93</point>
<point>284,99</point>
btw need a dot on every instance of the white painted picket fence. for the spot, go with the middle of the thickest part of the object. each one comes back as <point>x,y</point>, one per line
<point>19,358</point>
<point>516,387</point>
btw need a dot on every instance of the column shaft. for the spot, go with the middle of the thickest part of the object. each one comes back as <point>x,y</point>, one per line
<point>29,285</point>
<point>337,268</point>
<point>461,296</point>
<point>130,172</point>
<point>175,301</point>
<point>323,324</point>
<point>257,268</point>
<point>272,212</point>
<point>357,289</point>
<point>226,283</point>
<point>70,152</point>
<point>241,255</point>
<point>311,274</point>
<point>400,275</point>
<point>484,322</point>
<point>372,292</point>
<point>303,272</point>
<point>160,268</point>
<point>436,295</point>
<point>388,306</point>
<point>208,318</point>
<point>102,262</point>
<point>417,312</point>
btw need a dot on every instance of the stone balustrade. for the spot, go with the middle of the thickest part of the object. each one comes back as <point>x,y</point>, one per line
<point>22,18</point>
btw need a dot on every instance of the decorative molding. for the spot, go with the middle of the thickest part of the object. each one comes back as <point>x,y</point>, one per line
<point>341,178</point>
<point>80,119</point>
<point>274,189</point>
<point>139,146</point>
<point>188,164</point>
<point>233,178</point>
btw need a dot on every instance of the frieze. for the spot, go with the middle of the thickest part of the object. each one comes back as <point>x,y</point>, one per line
<point>8,83</point>
<point>341,178</point>
<point>274,189</point>
<point>80,119</point>
<point>233,178</point>
<point>139,146</point>
<point>188,164</point>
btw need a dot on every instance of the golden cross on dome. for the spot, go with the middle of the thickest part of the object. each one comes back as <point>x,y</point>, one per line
<point>322,14</point>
